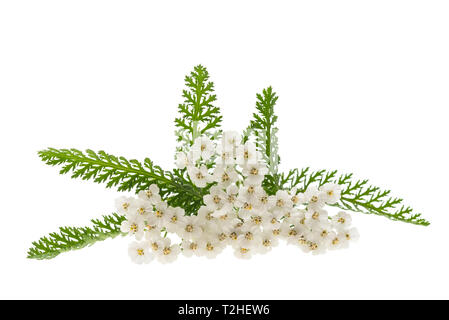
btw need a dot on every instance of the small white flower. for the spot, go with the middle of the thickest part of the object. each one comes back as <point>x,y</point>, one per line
<point>226,221</point>
<point>207,216</point>
<point>317,247</point>
<point>167,252</point>
<point>190,228</point>
<point>259,218</point>
<point>202,148</point>
<point>246,205</point>
<point>161,212</point>
<point>267,242</point>
<point>230,139</point>
<point>123,204</point>
<point>199,176</point>
<point>184,160</point>
<point>139,252</point>
<point>249,191</point>
<point>225,175</point>
<point>247,154</point>
<point>225,156</point>
<point>152,228</point>
<point>140,208</point>
<point>339,241</point>
<point>173,218</point>
<point>231,195</point>
<point>315,215</point>
<point>156,244</point>
<point>244,250</point>
<point>249,236</point>
<point>282,202</point>
<point>209,247</point>
<point>351,234</point>
<point>313,197</point>
<point>297,198</point>
<point>342,220</point>
<point>151,195</point>
<point>134,225</point>
<point>220,235</point>
<point>190,248</point>
<point>255,173</point>
<point>324,233</point>
<point>291,234</point>
<point>331,193</point>
<point>215,200</point>
<point>263,202</point>
<point>271,222</point>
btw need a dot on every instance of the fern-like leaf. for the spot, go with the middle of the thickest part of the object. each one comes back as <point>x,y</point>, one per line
<point>263,128</point>
<point>126,175</point>
<point>74,238</point>
<point>197,115</point>
<point>357,196</point>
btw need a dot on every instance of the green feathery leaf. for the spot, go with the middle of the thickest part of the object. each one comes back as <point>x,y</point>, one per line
<point>357,196</point>
<point>126,174</point>
<point>198,116</point>
<point>74,238</point>
<point>263,127</point>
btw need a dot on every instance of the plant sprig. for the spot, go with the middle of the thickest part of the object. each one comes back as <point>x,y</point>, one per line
<point>357,196</point>
<point>197,115</point>
<point>263,127</point>
<point>74,238</point>
<point>126,175</point>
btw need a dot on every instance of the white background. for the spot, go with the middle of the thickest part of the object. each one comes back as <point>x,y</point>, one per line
<point>363,88</point>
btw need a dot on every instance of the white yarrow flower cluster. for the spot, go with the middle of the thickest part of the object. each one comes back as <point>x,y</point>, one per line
<point>237,211</point>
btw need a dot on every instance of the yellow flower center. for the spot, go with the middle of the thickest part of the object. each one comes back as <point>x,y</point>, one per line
<point>222,236</point>
<point>159,213</point>
<point>257,219</point>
